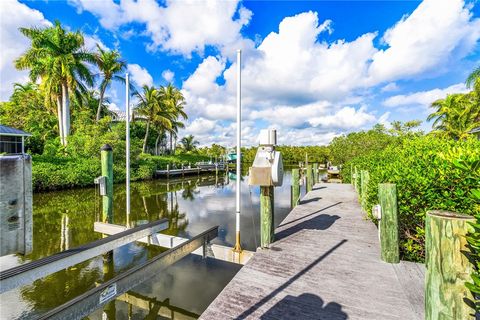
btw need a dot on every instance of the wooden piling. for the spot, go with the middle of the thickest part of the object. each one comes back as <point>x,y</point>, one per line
<point>107,171</point>
<point>315,173</point>
<point>357,180</point>
<point>168,170</point>
<point>266,216</point>
<point>309,177</point>
<point>352,175</point>
<point>387,195</point>
<point>447,266</point>
<point>295,187</point>
<point>365,177</point>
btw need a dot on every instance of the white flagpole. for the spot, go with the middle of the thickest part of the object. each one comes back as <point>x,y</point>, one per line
<point>127,148</point>
<point>237,247</point>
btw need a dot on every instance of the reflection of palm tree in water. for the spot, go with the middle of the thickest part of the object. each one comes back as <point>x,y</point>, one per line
<point>189,191</point>
<point>177,220</point>
<point>167,207</point>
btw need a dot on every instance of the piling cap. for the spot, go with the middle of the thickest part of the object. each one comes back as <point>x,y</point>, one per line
<point>106,147</point>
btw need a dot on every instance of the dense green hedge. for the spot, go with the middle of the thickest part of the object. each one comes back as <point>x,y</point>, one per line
<point>427,177</point>
<point>52,172</point>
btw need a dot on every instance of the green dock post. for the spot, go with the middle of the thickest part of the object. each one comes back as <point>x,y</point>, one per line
<point>448,267</point>
<point>352,175</point>
<point>365,177</point>
<point>315,173</point>
<point>309,182</point>
<point>388,224</point>
<point>295,187</point>
<point>107,171</point>
<point>357,180</point>
<point>266,216</point>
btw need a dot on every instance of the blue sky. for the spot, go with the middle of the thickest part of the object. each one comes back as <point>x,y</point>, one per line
<point>313,70</point>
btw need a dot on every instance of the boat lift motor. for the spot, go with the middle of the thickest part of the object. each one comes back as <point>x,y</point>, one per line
<point>267,168</point>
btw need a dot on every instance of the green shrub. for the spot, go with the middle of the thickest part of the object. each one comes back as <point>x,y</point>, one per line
<point>427,178</point>
<point>57,172</point>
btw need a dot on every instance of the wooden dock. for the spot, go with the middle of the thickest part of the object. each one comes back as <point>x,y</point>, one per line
<point>200,168</point>
<point>325,264</point>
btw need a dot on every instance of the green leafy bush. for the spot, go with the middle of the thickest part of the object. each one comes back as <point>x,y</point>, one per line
<point>427,176</point>
<point>56,172</point>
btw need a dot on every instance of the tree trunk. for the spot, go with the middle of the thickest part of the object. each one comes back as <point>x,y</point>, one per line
<point>156,144</point>
<point>65,113</point>
<point>60,119</point>
<point>146,137</point>
<point>99,109</point>
<point>171,143</point>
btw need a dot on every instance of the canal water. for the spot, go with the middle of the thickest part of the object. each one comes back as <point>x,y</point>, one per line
<point>64,219</point>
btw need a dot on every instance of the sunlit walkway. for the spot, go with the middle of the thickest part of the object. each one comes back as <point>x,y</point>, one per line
<point>325,264</point>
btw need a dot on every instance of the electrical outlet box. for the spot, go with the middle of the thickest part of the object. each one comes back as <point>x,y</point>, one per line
<point>102,183</point>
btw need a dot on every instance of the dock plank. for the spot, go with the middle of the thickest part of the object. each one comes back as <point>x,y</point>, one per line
<point>324,264</point>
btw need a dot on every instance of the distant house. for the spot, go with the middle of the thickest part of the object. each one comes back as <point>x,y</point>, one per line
<point>476,132</point>
<point>120,116</point>
<point>12,141</point>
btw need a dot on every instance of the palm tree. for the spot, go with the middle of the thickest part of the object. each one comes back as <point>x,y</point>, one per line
<point>189,143</point>
<point>473,80</point>
<point>173,131</point>
<point>58,58</point>
<point>92,102</point>
<point>151,106</point>
<point>175,101</point>
<point>110,66</point>
<point>455,116</point>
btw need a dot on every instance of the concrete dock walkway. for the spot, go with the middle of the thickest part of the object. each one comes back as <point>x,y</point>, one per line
<point>325,264</point>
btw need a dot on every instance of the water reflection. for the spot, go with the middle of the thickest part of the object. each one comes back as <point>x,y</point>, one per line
<point>64,219</point>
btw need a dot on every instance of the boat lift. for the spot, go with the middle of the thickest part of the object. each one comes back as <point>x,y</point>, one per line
<point>93,299</point>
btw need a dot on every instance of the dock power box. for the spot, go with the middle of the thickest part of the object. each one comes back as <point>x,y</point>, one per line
<point>267,168</point>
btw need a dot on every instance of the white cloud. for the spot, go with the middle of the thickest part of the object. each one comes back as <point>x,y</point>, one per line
<point>345,118</point>
<point>113,107</point>
<point>307,136</point>
<point>91,42</point>
<point>202,23</point>
<point>292,65</point>
<point>168,75</point>
<point>384,119</point>
<point>392,86</point>
<point>13,16</point>
<point>200,126</point>
<point>203,80</point>
<point>423,98</point>
<point>109,12</point>
<point>291,116</point>
<point>140,75</point>
<point>437,31</point>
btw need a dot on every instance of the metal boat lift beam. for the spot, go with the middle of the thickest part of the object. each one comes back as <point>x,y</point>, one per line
<point>29,272</point>
<point>93,299</point>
